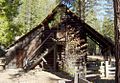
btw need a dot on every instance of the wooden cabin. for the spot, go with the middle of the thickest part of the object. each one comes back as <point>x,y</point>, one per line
<point>58,46</point>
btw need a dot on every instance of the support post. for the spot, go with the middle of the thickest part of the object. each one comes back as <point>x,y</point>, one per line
<point>55,57</point>
<point>106,69</point>
<point>76,77</point>
<point>79,72</point>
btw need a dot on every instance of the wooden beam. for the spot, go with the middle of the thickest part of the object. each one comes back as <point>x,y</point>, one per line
<point>55,57</point>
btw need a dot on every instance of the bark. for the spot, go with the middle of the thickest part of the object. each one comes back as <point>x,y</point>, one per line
<point>117,39</point>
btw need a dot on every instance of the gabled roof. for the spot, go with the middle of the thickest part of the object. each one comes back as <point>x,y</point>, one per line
<point>97,37</point>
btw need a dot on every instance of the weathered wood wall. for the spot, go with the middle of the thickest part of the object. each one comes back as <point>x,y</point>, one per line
<point>74,47</point>
<point>17,53</point>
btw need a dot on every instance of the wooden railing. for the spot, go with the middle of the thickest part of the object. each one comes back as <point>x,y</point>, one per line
<point>107,70</point>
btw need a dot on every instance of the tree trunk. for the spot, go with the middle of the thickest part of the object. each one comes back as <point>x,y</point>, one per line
<point>117,39</point>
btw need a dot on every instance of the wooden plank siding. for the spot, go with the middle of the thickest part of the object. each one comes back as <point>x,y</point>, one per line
<point>24,48</point>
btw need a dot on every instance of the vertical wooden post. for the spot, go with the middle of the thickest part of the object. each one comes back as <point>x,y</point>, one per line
<point>55,57</point>
<point>106,69</point>
<point>77,72</point>
<point>76,77</point>
<point>117,39</point>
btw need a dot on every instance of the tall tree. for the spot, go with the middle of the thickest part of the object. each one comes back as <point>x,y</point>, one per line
<point>8,13</point>
<point>108,28</point>
<point>32,12</point>
<point>117,39</point>
<point>92,20</point>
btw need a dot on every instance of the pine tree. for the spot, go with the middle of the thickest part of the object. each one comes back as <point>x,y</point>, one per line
<point>117,39</point>
<point>7,15</point>
<point>108,28</point>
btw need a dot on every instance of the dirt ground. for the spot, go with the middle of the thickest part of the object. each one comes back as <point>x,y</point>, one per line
<point>33,76</point>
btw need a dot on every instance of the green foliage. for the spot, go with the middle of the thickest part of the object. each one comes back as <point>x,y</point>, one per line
<point>91,46</point>
<point>7,14</point>
<point>108,28</point>
<point>10,8</point>
<point>17,17</point>
<point>32,12</point>
<point>92,20</point>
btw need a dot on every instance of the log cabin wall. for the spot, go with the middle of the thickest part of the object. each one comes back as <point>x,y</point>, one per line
<point>19,53</point>
<point>23,48</point>
<point>73,47</point>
